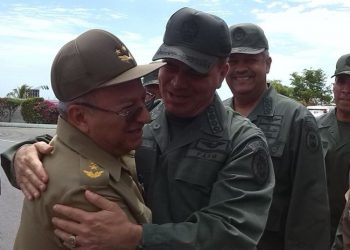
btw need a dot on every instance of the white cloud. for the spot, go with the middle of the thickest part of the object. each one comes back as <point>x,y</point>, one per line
<point>307,35</point>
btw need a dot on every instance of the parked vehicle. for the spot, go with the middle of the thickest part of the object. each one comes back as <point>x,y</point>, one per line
<point>320,110</point>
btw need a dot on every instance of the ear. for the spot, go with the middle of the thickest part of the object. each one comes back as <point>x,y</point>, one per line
<point>223,72</point>
<point>268,64</point>
<point>78,117</point>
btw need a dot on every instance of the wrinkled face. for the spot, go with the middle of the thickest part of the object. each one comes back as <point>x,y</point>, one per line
<point>117,133</point>
<point>341,90</point>
<point>186,93</point>
<point>247,73</point>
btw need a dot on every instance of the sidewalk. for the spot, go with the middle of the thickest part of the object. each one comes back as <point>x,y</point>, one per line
<point>27,125</point>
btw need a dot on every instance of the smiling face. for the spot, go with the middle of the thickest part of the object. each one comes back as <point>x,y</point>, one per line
<point>247,74</point>
<point>341,90</point>
<point>117,134</point>
<point>186,93</point>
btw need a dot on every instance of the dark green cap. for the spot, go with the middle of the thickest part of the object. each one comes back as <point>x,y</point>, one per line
<point>248,38</point>
<point>343,65</point>
<point>195,38</point>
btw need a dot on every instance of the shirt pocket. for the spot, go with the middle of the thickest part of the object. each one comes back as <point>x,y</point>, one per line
<point>198,173</point>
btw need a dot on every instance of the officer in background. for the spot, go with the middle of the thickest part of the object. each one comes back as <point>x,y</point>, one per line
<point>206,170</point>
<point>334,129</point>
<point>299,213</point>
<point>86,154</point>
<point>151,84</point>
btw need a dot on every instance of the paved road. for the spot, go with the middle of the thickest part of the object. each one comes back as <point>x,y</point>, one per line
<point>10,198</point>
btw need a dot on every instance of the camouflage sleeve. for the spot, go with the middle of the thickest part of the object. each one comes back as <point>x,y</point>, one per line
<point>7,156</point>
<point>308,220</point>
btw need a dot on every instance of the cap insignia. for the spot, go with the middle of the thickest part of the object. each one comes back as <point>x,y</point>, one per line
<point>123,54</point>
<point>189,31</point>
<point>93,171</point>
<point>239,34</point>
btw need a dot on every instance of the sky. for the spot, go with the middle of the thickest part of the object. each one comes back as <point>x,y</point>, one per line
<point>302,34</point>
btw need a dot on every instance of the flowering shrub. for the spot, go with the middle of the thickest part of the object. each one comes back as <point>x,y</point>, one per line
<point>38,110</point>
<point>47,111</point>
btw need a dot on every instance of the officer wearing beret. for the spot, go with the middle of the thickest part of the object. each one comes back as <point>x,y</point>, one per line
<point>206,170</point>
<point>299,213</point>
<point>334,129</point>
<point>87,155</point>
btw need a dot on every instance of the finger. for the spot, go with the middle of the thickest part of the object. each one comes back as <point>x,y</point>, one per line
<point>29,190</point>
<point>26,193</point>
<point>43,148</point>
<point>100,201</point>
<point>67,227</point>
<point>31,179</point>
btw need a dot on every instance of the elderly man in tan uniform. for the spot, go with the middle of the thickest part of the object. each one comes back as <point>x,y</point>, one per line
<point>102,113</point>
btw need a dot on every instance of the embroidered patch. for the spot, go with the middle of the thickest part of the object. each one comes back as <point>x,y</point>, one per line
<point>214,122</point>
<point>93,170</point>
<point>260,166</point>
<point>312,139</point>
<point>239,34</point>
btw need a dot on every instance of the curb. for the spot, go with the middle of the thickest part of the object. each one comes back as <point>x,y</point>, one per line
<point>27,125</point>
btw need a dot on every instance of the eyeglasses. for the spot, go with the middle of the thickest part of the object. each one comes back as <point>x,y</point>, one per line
<point>127,112</point>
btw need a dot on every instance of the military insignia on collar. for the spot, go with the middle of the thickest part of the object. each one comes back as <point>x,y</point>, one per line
<point>213,120</point>
<point>267,105</point>
<point>239,34</point>
<point>189,31</point>
<point>123,54</point>
<point>93,171</point>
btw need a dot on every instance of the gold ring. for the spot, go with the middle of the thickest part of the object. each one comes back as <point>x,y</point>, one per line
<point>72,241</point>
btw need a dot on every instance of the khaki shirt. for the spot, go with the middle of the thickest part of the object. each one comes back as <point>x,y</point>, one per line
<point>75,165</point>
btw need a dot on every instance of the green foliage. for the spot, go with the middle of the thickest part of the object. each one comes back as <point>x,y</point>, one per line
<point>310,87</point>
<point>8,107</point>
<point>28,113</point>
<point>282,89</point>
<point>20,92</point>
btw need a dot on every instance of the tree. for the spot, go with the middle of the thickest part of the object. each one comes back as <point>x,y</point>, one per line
<point>20,92</point>
<point>282,89</point>
<point>310,87</point>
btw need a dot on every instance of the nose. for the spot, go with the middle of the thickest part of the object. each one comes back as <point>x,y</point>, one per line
<point>143,116</point>
<point>179,80</point>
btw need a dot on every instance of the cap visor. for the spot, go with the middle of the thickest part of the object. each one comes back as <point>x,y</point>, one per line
<point>198,61</point>
<point>134,73</point>
<point>246,50</point>
<point>341,73</point>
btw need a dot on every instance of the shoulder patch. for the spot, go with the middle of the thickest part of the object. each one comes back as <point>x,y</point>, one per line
<point>312,137</point>
<point>260,166</point>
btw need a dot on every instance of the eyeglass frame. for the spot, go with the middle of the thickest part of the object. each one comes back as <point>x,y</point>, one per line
<point>128,112</point>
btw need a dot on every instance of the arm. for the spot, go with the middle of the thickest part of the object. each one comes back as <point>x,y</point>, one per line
<point>23,168</point>
<point>235,216</point>
<point>237,211</point>
<point>308,218</point>
<point>106,229</point>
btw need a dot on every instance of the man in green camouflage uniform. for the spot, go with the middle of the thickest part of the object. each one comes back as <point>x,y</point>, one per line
<point>334,129</point>
<point>299,213</point>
